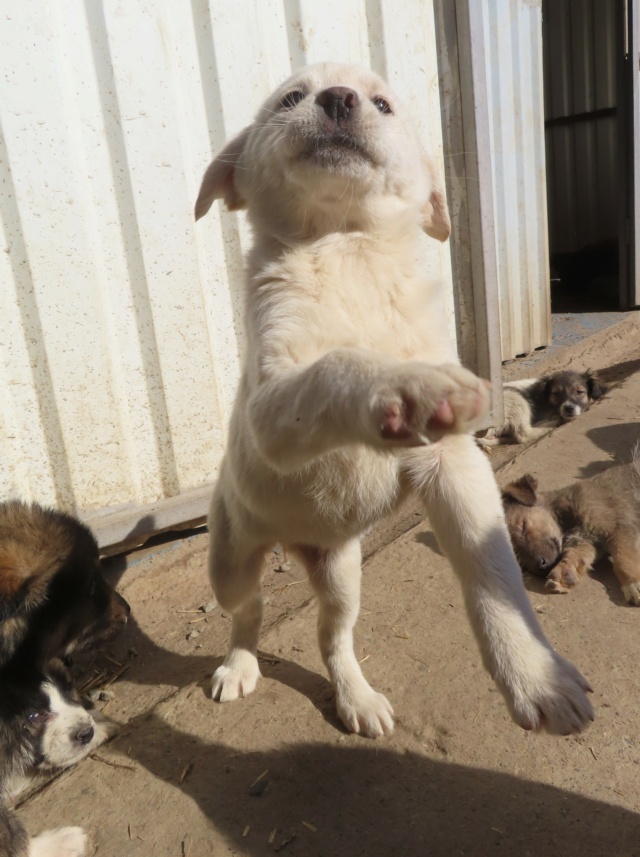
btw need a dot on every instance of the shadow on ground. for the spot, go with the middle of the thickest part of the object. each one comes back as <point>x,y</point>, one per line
<point>388,803</point>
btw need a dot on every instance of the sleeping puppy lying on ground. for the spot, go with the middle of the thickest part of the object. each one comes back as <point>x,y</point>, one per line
<point>352,396</point>
<point>532,407</point>
<point>559,534</point>
<point>53,602</point>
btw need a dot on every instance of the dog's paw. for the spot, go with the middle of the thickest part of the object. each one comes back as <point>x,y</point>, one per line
<point>237,677</point>
<point>65,842</point>
<point>555,700</point>
<point>631,592</point>
<point>561,579</point>
<point>365,712</point>
<point>422,403</point>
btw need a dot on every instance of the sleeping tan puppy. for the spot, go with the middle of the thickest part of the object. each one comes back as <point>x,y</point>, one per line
<point>352,397</point>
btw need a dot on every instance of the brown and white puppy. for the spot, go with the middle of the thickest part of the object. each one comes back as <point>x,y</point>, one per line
<point>559,534</point>
<point>352,396</point>
<point>532,407</point>
<point>52,592</point>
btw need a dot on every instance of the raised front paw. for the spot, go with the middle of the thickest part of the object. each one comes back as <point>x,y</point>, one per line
<point>421,403</point>
<point>551,696</point>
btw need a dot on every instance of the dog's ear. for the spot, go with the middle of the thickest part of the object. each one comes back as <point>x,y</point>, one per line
<point>435,213</point>
<point>219,182</point>
<point>522,491</point>
<point>595,387</point>
<point>541,389</point>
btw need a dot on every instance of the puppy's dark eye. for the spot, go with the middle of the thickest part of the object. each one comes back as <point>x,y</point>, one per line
<point>382,104</point>
<point>292,98</point>
<point>36,716</point>
<point>581,392</point>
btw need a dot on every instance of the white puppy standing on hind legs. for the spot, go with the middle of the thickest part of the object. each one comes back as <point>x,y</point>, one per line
<point>352,397</point>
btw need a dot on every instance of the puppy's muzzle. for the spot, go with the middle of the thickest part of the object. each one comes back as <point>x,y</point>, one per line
<point>338,102</point>
<point>569,411</point>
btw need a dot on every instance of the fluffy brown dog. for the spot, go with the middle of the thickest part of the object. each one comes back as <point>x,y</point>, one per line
<point>559,534</point>
<point>53,597</point>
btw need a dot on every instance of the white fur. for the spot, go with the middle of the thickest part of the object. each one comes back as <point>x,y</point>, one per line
<point>65,842</point>
<point>347,337</point>
<point>58,745</point>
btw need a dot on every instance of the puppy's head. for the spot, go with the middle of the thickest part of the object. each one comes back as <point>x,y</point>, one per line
<point>53,597</point>
<point>43,724</point>
<point>534,531</point>
<point>569,394</point>
<point>331,148</point>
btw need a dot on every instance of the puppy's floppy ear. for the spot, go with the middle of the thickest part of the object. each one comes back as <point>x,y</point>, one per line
<point>595,387</point>
<point>522,491</point>
<point>435,213</point>
<point>540,389</point>
<point>218,181</point>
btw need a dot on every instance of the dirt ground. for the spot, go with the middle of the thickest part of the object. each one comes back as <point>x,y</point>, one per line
<point>276,772</point>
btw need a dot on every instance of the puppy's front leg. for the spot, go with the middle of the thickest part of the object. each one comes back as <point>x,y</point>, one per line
<point>353,396</point>
<point>335,577</point>
<point>578,556</point>
<point>541,689</point>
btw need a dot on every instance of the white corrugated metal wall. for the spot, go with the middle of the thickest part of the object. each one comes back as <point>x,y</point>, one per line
<point>512,35</point>
<point>119,318</point>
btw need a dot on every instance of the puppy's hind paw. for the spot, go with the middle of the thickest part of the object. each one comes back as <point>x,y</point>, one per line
<point>365,712</point>
<point>631,592</point>
<point>65,842</point>
<point>237,677</point>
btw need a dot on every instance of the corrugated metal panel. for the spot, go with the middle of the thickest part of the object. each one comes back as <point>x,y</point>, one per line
<point>513,31</point>
<point>120,319</point>
<point>579,39</point>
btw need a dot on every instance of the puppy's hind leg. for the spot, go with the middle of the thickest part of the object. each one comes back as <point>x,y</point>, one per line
<point>335,576</point>
<point>541,689</point>
<point>235,577</point>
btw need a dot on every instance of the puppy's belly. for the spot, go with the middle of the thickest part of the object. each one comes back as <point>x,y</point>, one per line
<point>337,497</point>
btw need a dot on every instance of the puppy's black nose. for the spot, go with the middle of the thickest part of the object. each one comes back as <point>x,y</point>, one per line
<point>569,409</point>
<point>338,102</point>
<point>542,563</point>
<point>84,735</point>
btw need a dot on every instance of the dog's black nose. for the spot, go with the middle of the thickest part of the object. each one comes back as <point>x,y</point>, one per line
<point>569,409</point>
<point>84,735</point>
<point>542,563</point>
<point>338,102</point>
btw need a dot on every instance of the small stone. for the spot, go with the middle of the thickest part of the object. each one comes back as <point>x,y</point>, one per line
<point>284,566</point>
<point>209,607</point>
<point>193,634</point>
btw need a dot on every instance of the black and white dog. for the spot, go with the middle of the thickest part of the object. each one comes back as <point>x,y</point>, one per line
<point>53,601</point>
<point>43,727</point>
